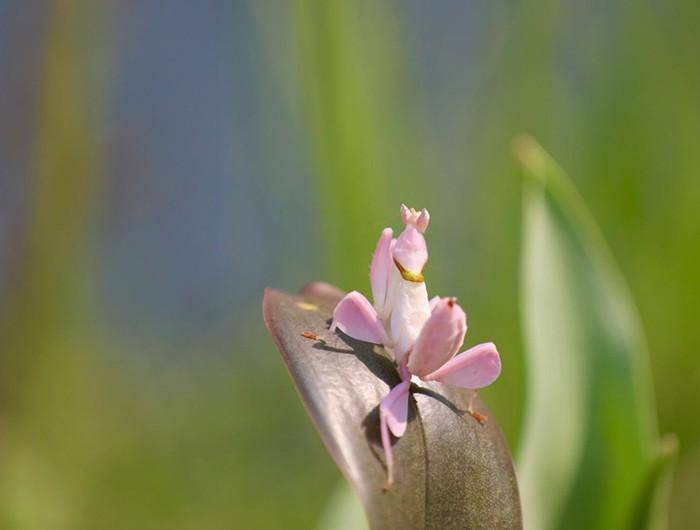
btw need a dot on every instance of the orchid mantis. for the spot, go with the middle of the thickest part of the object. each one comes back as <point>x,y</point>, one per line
<point>422,335</point>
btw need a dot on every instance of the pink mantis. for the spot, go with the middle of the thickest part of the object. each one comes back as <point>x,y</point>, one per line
<point>422,335</point>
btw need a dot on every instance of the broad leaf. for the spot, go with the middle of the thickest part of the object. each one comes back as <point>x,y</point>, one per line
<point>651,511</point>
<point>590,437</point>
<point>450,471</point>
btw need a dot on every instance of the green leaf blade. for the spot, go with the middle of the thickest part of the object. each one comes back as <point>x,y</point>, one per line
<point>651,509</point>
<point>590,433</point>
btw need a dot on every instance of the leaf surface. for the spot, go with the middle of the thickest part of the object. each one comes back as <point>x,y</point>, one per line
<point>590,439</point>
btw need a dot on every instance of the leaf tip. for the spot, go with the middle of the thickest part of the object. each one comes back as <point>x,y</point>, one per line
<point>268,295</point>
<point>530,156</point>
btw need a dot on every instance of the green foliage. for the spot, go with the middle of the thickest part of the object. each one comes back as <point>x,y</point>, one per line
<point>344,511</point>
<point>356,111</point>
<point>48,403</point>
<point>651,510</point>
<point>590,421</point>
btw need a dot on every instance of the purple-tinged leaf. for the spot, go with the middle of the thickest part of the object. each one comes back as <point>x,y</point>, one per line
<point>449,470</point>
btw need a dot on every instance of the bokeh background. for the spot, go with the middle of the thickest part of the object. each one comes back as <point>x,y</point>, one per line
<point>161,163</point>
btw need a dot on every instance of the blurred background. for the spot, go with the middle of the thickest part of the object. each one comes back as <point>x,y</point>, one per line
<point>161,164</point>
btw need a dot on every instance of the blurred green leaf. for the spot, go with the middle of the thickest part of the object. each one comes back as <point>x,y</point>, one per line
<point>590,438</point>
<point>54,421</point>
<point>360,121</point>
<point>50,295</point>
<point>451,471</point>
<point>344,511</point>
<point>651,511</point>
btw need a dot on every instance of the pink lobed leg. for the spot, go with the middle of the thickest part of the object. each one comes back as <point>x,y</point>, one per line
<point>477,367</point>
<point>393,417</point>
<point>356,317</point>
<point>380,268</point>
<point>439,339</point>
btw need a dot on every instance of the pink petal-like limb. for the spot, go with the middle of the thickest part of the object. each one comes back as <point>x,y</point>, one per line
<point>380,269</point>
<point>475,368</point>
<point>356,317</point>
<point>439,339</point>
<point>393,416</point>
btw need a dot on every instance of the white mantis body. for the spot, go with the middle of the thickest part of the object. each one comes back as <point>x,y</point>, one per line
<point>422,335</point>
